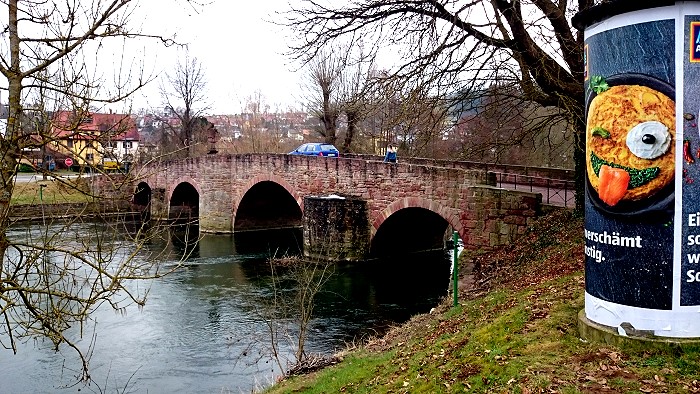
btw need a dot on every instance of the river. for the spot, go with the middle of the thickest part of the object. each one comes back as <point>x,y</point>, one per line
<point>203,328</point>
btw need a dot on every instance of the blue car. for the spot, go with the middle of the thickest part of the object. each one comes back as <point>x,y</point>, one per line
<point>316,149</point>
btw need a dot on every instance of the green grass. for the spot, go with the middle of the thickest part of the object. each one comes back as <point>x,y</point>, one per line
<point>506,350</point>
<point>53,192</point>
<point>514,339</point>
<point>357,368</point>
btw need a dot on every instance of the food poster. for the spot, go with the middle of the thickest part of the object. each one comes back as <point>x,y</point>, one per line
<point>690,245</point>
<point>630,164</point>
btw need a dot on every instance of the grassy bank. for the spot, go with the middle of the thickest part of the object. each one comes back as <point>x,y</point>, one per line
<point>50,191</point>
<point>514,331</point>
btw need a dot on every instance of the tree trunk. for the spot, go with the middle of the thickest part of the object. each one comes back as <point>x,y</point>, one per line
<point>352,121</point>
<point>8,143</point>
<point>329,128</point>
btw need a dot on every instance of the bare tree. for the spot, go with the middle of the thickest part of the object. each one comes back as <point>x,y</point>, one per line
<point>356,85</point>
<point>260,127</point>
<point>499,127</point>
<point>339,87</point>
<point>401,113</point>
<point>323,97</point>
<point>184,95</point>
<point>49,283</point>
<point>288,313</point>
<point>457,46</point>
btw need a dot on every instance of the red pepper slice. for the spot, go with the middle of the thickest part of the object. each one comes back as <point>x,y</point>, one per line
<point>613,184</point>
<point>686,152</point>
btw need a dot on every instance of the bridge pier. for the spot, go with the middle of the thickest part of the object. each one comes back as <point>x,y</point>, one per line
<point>336,228</point>
<point>159,204</point>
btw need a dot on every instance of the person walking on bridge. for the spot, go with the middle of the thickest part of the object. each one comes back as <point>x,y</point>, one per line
<point>390,154</point>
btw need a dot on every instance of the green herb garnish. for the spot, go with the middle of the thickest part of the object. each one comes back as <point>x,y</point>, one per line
<point>601,132</point>
<point>637,177</point>
<point>599,84</point>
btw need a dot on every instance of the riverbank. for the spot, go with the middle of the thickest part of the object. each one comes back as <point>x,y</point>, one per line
<point>65,195</point>
<point>87,210</point>
<point>514,331</point>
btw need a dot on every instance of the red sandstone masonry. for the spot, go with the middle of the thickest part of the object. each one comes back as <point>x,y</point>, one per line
<point>479,212</point>
<point>540,176</point>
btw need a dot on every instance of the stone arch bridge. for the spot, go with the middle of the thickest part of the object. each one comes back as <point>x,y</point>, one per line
<point>366,205</point>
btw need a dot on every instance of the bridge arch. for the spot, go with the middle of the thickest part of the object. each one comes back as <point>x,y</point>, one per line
<point>142,199</point>
<point>142,194</point>
<point>181,180</point>
<point>414,224</point>
<point>267,202</point>
<point>184,201</point>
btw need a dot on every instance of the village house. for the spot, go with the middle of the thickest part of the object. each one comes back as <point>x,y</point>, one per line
<point>96,140</point>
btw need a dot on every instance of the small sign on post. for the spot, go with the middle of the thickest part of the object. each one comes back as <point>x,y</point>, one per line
<point>68,161</point>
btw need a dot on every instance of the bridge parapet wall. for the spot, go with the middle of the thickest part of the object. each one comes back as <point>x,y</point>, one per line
<point>377,182</point>
<point>551,174</point>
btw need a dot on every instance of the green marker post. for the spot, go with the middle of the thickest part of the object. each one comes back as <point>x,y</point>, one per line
<point>455,266</point>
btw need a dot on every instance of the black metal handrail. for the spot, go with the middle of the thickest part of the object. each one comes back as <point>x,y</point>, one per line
<point>559,192</point>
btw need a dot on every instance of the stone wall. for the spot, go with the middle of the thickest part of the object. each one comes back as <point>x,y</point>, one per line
<point>538,176</point>
<point>494,217</point>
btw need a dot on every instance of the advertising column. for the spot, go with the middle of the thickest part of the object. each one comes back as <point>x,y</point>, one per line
<point>642,226</point>
<point>630,163</point>
<point>690,245</point>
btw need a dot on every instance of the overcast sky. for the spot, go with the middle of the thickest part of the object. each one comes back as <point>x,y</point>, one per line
<point>240,51</point>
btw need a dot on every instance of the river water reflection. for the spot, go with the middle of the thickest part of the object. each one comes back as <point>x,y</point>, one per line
<point>202,331</point>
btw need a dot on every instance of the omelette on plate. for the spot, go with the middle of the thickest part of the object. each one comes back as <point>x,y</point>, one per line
<point>630,143</point>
